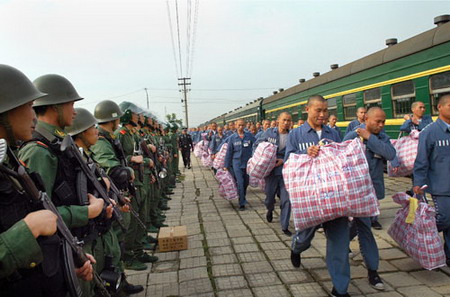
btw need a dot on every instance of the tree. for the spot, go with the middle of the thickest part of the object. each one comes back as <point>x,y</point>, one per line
<point>172,118</point>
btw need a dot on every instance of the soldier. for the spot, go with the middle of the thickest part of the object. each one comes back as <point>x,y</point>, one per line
<point>186,146</point>
<point>274,181</point>
<point>238,153</point>
<point>360,116</point>
<point>432,167</point>
<point>22,256</point>
<point>304,140</point>
<point>417,120</point>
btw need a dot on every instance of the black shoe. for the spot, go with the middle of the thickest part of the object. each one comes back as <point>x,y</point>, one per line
<point>170,193</point>
<point>269,216</point>
<point>375,280</point>
<point>242,207</point>
<point>336,294</point>
<point>131,289</point>
<point>189,167</point>
<point>296,259</point>
<point>287,232</point>
<point>376,225</point>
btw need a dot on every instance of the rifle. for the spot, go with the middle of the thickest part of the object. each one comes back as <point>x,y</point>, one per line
<point>70,148</point>
<point>146,152</point>
<point>71,242</point>
<point>138,152</point>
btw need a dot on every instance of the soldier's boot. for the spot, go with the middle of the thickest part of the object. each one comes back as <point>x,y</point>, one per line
<point>134,264</point>
<point>153,229</point>
<point>146,258</point>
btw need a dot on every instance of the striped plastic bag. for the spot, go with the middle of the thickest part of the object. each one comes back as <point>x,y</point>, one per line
<point>406,148</point>
<point>219,160</point>
<point>227,187</point>
<point>263,160</point>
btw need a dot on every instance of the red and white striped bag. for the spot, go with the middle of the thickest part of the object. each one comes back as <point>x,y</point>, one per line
<point>334,184</point>
<point>219,160</point>
<point>406,148</point>
<point>257,183</point>
<point>200,148</point>
<point>263,160</point>
<point>206,160</point>
<point>420,240</point>
<point>227,185</point>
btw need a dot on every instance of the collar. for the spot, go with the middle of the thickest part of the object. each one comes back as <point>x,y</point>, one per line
<point>54,130</point>
<point>444,126</point>
<point>308,128</point>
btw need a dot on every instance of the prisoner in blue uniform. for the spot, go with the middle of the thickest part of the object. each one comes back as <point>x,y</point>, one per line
<point>432,168</point>
<point>416,121</point>
<point>274,181</point>
<point>360,114</point>
<point>378,149</point>
<point>238,153</point>
<point>304,140</point>
<point>216,141</point>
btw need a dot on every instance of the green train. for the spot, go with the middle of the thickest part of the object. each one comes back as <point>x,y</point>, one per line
<point>415,69</point>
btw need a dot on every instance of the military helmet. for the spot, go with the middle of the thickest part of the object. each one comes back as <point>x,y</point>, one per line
<point>107,111</point>
<point>83,121</point>
<point>15,89</point>
<point>59,90</point>
<point>174,127</point>
<point>128,108</point>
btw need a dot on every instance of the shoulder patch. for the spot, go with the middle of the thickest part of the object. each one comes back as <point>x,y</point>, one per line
<point>123,132</point>
<point>41,144</point>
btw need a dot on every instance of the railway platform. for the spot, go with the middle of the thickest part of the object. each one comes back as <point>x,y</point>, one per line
<point>238,253</point>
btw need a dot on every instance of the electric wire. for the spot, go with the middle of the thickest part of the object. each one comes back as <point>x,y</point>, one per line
<point>179,39</point>
<point>172,39</point>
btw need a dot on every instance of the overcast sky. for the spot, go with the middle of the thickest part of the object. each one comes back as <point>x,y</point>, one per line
<point>242,49</point>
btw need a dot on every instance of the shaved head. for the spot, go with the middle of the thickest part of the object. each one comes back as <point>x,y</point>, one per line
<point>315,98</point>
<point>375,110</point>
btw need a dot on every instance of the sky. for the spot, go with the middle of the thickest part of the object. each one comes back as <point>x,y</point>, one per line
<point>241,49</point>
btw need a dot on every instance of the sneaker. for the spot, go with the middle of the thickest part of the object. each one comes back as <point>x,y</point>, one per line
<point>296,259</point>
<point>336,294</point>
<point>269,216</point>
<point>146,258</point>
<point>287,232</point>
<point>375,280</point>
<point>135,265</point>
<point>376,225</point>
<point>242,207</point>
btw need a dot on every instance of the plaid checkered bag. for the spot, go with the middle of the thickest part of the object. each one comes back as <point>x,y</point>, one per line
<point>257,183</point>
<point>263,160</point>
<point>227,185</point>
<point>406,148</point>
<point>334,184</point>
<point>206,160</point>
<point>219,160</point>
<point>198,149</point>
<point>420,240</point>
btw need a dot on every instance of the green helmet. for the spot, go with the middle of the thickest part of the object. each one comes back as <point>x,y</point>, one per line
<point>128,108</point>
<point>107,111</point>
<point>58,88</point>
<point>15,89</point>
<point>174,127</point>
<point>83,121</point>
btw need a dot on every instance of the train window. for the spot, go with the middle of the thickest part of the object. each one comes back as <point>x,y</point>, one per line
<point>349,102</point>
<point>439,83</point>
<point>403,95</point>
<point>372,98</point>
<point>332,106</point>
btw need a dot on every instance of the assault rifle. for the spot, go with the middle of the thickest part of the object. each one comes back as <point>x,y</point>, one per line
<point>71,244</point>
<point>70,148</point>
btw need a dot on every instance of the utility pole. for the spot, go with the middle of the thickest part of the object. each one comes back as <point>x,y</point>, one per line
<point>148,105</point>
<point>185,91</point>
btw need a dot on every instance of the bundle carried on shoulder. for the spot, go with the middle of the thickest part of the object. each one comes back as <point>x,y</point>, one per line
<point>263,160</point>
<point>406,148</point>
<point>336,183</point>
<point>200,148</point>
<point>219,160</point>
<point>227,185</point>
<point>414,229</point>
<point>206,160</point>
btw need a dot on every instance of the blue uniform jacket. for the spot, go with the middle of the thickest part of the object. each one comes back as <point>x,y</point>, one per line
<point>258,135</point>
<point>216,143</point>
<point>409,125</point>
<point>351,127</point>
<point>432,165</point>
<point>304,136</point>
<point>273,136</point>
<point>378,149</point>
<point>239,150</point>
<point>338,130</point>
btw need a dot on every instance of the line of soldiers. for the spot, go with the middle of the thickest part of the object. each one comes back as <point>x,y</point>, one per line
<point>108,186</point>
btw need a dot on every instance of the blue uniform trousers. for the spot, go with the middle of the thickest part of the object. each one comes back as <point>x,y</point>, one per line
<point>275,185</point>
<point>367,244</point>
<point>337,233</point>
<point>442,205</point>
<point>242,179</point>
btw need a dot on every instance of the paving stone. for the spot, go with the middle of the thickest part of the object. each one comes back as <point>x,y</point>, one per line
<point>218,242</point>
<point>320,274</point>
<point>195,244</point>
<point>389,254</point>
<point>263,231</point>
<point>242,240</point>
<point>308,290</point>
<point>278,290</point>
<point>215,235</point>
<point>165,266</point>
<point>198,252</point>
<point>167,256</point>
<point>406,264</point>
<point>192,262</point>
<point>226,270</point>
<point>195,287</point>
<point>257,267</point>
<point>240,233</point>
<point>313,263</point>
<point>224,259</point>
<point>251,257</point>
<point>283,265</point>
<point>267,238</point>
<point>358,271</point>
<point>385,266</point>
<point>310,253</point>
<point>432,278</point>
<point>418,291</point>
<point>263,279</point>
<point>192,273</point>
<point>245,248</point>
<point>278,255</point>
<point>444,290</point>
<point>162,290</point>
<point>295,277</point>
<point>222,250</point>
<point>363,285</point>
<point>235,293</point>
<point>162,278</point>
<point>231,282</point>
<point>399,279</point>
<point>278,246</point>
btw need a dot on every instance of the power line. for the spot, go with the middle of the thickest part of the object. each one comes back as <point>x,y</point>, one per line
<point>179,41</point>
<point>172,39</point>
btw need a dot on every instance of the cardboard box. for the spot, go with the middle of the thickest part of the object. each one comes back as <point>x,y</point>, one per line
<point>172,239</point>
